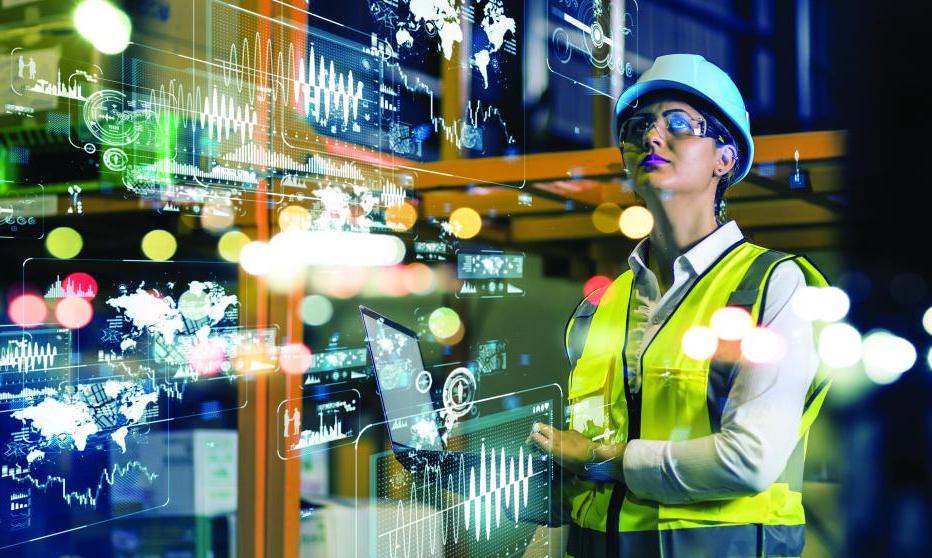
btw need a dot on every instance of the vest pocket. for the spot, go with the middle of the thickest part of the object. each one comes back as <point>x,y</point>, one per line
<point>588,393</point>
<point>674,404</point>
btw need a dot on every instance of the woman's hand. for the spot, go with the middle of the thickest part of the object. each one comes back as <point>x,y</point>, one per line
<point>569,448</point>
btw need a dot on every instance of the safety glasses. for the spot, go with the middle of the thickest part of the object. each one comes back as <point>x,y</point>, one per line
<point>677,124</point>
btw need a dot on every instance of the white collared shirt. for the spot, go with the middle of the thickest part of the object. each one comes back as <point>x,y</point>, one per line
<point>761,417</point>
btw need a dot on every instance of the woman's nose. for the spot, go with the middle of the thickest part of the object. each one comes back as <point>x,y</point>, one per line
<point>653,138</point>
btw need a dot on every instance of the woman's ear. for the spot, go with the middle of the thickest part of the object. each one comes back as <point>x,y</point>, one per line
<point>728,158</point>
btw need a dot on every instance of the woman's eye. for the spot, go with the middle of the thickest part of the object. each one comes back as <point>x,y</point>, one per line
<point>678,123</point>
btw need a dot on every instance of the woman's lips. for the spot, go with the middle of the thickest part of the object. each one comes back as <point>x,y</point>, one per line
<point>653,161</point>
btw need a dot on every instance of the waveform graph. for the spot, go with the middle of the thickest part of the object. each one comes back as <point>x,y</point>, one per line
<point>32,363</point>
<point>486,495</point>
<point>319,90</point>
<point>317,422</point>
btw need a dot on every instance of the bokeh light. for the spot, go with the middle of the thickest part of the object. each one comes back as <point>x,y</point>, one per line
<point>444,322</point>
<point>206,357</point>
<point>294,218</point>
<point>316,310</point>
<point>636,222</point>
<point>805,303</point>
<point>73,312</point>
<point>419,278</point>
<point>231,244</point>
<point>401,217</point>
<point>453,339</point>
<point>593,284</point>
<point>64,243</point>
<point>927,320</point>
<point>465,222</point>
<point>839,345</point>
<point>834,304</point>
<point>28,310</point>
<point>339,282</point>
<point>390,281</point>
<point>606,216</point>
<point>159,245</point>
<point>295,358</point>
<point>828,304</point>
<point>887,356</point>
<point>762,346</point>
<point>217,216</point>
<point>699,342</point>
<point>104,25</point>
<point>731,323</point>
<point>81,284</point>
<point>256,258</point>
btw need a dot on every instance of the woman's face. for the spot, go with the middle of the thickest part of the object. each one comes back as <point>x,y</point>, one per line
<point>678,165</point>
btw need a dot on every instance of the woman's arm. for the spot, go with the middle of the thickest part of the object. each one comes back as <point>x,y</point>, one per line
<point>759,425</point>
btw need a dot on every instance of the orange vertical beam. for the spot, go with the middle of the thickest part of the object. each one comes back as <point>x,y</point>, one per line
<point>284,476</point>
<point>253,419</point>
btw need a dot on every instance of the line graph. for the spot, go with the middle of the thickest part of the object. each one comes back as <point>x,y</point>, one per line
<point>86,497</point>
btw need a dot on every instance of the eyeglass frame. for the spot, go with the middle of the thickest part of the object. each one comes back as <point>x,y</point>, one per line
<point>704,133</point>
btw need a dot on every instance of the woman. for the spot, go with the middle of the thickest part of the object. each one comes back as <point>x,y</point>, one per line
<point>670,453</point>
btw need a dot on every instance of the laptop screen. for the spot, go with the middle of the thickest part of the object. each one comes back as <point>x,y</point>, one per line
<point>404,387</point>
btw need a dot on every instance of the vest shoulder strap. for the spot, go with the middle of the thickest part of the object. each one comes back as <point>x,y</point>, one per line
<point>755,278</point>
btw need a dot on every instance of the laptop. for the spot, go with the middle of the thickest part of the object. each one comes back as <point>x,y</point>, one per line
<point>409,400</point>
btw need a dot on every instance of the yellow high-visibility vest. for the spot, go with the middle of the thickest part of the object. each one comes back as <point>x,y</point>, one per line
<point>681,398</point>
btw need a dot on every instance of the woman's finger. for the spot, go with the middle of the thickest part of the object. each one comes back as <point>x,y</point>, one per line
<point>541,441</point>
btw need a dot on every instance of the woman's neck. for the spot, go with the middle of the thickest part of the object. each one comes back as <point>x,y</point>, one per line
<point>682,225</point>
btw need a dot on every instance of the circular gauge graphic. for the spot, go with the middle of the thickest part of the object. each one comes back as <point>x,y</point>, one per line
<point>110,118</point>
<point>459,392</point>
<point>424,381</point>
<point>598,43</point>
<point>115,159</point>
<point>561,45</point>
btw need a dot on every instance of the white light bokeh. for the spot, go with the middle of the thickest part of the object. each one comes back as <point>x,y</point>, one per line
<point>805,303</point>
<point>887,356</point>
<point>290,252</point>
<point>316,310</point>
<point>762,346</point>
<point>107,27</point>
<point>839,345</point>
<point>927,320</point>
<point>731,323</point>
<point>256,258</point>
<point>699,342</point>
<point>834,304</point>
<point>829,304</point>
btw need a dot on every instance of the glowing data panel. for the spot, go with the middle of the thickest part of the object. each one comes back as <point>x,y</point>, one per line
<point>317,423</point>
<point>173,325</point>
<point>485,498</point>
<point>588,40</point>
<point>490,274</point>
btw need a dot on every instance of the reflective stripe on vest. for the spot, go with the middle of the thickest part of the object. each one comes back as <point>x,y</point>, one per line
<point>731,541</point>
<point>681,398</point>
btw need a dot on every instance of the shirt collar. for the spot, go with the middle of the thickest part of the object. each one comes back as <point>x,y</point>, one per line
<point>701,256</point>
